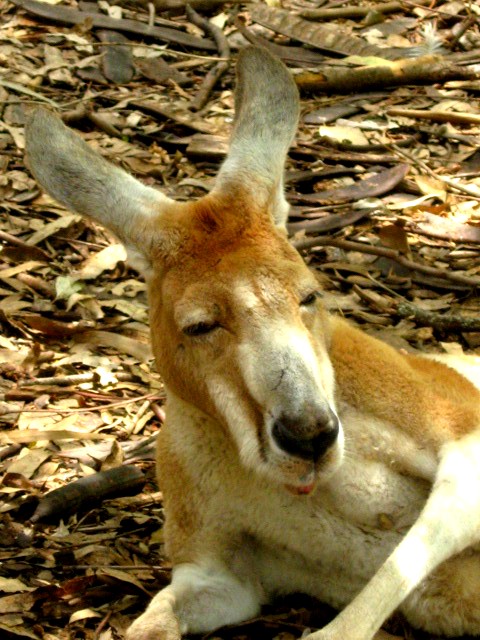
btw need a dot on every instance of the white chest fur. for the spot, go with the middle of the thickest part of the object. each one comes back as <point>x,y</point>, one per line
<point>327,544</point>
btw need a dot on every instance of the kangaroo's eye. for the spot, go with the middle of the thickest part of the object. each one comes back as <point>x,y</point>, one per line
<point>309,300</point>
<point>200,328</point>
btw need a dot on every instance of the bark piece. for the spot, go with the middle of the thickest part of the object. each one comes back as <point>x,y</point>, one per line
<point>117,63</point>
<point>295,55</point>
<point>329,223</point>
<point>66,15</point>
<point>212,148</point>
<point>160,72</point>
<point>438,227</point>
<point>323,38</point>
<point>184,119</point>
<point>376,185</point>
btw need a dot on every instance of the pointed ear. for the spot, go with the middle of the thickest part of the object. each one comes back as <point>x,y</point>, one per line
<point>80,179</point>
<point>266,118</point>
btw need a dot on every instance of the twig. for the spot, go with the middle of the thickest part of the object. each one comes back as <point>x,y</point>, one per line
<point>453,117</point>
<point>178,6</point>
<point>348,245</point>
<point>19,88</point>
<point>102,124</point>
<point>472,192</point>
<point>37,284</point>
<point>140,500</point>
<point>122,567</point>
<point>468,22</point>
<point>353,12</point>
<point>158,411</point>
<point>101,407</point>
<point>161,48</point>
<point>185,119</point>
<point>76,378</point>
<point>214,75</point>
<point>133,428</point>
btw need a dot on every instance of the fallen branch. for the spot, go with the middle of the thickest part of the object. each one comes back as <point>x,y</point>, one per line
<point>355,12</point>
<point>407,310</point>
<point>418,71</point>
<point>88,492</point>
<point>66,15</point>
<point>349,245</point>
<point>447,322</point>
<point>214,75</point>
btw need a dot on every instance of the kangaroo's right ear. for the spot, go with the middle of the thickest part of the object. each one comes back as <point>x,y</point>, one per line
<point>79,178</point>
<point>266,119</point>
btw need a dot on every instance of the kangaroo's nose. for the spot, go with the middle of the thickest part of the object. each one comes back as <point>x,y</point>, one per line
<point>308,439</point>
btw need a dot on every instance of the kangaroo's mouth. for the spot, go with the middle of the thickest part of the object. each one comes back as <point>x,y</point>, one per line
<point>302,489</point>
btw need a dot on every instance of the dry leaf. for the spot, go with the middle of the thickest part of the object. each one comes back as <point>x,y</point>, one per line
<point>105,260</point>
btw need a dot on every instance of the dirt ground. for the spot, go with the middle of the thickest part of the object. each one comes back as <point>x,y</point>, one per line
<point>384,184</point>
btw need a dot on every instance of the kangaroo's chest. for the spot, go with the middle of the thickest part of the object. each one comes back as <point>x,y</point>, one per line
<point>329,544</point>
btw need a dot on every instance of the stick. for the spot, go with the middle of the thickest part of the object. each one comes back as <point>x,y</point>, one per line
<point>447,322</point>
<point>214,75</point>
<point>473,192</point>
<point>179,6</point>
<point>74,379</point>
<point>436,116</point>
<point>348,245</point>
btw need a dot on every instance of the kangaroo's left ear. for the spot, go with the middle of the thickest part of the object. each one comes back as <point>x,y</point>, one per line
<point>266,119</point>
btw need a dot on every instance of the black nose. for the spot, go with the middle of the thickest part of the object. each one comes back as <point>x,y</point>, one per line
<point>289,435</point>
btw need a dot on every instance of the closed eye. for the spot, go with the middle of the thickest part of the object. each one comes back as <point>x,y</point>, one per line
<point>200,328</point>
<point>309,299</point>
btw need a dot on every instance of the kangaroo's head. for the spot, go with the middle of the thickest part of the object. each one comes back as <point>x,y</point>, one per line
<point>237,326</point>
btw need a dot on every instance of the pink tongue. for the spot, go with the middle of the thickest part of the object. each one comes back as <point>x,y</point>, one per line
<point>304,490</point>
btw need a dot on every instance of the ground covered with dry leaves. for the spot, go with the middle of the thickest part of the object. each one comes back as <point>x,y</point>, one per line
<point>385,190</point>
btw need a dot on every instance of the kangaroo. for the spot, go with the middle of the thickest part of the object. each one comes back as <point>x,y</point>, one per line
<point>299,454</point>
